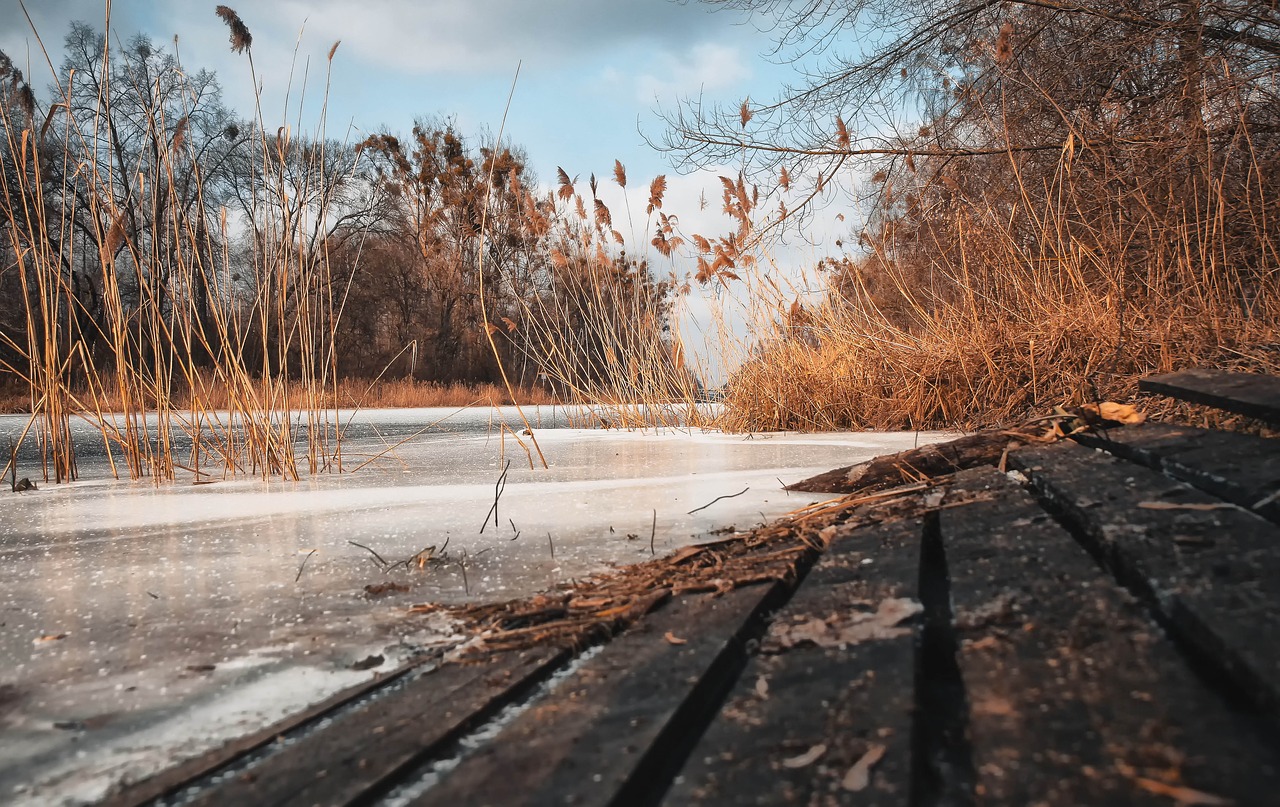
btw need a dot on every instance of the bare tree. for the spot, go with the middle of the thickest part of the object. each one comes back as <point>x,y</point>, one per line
<point>886,79</point>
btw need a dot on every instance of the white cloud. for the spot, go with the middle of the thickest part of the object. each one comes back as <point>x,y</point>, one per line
<point>465,36</point>
<point>707,67</point>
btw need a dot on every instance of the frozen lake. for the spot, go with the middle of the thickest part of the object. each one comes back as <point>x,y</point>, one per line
<point>141,624</point>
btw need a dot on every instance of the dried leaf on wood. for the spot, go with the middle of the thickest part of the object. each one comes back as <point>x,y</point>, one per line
<point>807,758</point>
<point>851,628</point>
<point>1114,413</point>
<point>859,776</point>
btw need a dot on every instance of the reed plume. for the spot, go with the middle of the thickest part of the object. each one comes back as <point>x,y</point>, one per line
<point>241,39</point>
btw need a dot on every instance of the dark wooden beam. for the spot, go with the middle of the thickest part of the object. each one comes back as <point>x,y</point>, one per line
<point>1249,394</point>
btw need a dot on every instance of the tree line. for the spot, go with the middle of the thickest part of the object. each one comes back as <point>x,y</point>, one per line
<point>164,221</point>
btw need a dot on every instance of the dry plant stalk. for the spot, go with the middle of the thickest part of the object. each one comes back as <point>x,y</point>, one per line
<point>606,336</point>
<point>177,353</point>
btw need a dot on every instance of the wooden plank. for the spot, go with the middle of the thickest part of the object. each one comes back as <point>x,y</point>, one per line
<point>1249,394</point>
<point>175,778</point>
<point>837,702</point>
<point>934,459</point>
<point>616,729</point>
<point>1211,570</point>
<point>363,750</point>
<point>1074,695</point>
<point>1239,468</point>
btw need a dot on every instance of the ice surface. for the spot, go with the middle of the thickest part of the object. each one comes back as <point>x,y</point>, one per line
<point>181,608</point>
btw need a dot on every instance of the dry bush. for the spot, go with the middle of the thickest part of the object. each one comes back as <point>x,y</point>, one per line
<point>998,336</point>
<point>1061,199</point>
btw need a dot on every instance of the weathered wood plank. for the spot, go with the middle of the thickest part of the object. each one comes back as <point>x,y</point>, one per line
<point>173,779</point>
<point>1249,394</point>
<point>934,459</point>
<point>818,696</point>
<point>364,749</point>
<point>1239,468</point>
<point>1210,569</point>
<point>1074,695</point>
<point>616,729</point>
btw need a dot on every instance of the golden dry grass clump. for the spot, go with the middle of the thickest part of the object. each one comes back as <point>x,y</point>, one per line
<point>966,373</point>
<point>981,327</point>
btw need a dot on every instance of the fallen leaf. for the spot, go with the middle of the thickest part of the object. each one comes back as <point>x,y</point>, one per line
<point>1121,413</point>
<point>1112,412</point>
<point>673,639</point>
<point>994,707</point>
<point>985,643</point>
<point>1185,796</point>
<point>50,637</point>
<point>807,758</point>
<point>851,628</point>
<point>859,776</point>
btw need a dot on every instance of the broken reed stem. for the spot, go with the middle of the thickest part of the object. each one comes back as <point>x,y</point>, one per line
<point>484,312</point>
<point>298,576</point>
<point>718,498</point>
<point>498,487</point>
<point>381,561</point>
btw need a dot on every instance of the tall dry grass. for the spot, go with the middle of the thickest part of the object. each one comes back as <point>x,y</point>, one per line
<point>347,393</point>
<point>992,325</point>
<point>605,333</point>
<point>175,349</point>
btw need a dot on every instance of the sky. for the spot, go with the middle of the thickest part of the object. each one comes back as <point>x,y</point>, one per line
<point>592,74</point>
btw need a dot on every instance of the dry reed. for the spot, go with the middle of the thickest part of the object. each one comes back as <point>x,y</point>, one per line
<point>989,329</point>
<point>176,349</point>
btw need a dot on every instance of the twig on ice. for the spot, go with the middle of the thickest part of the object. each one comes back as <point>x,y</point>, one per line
<point>381,560</point>
<point>304,565</point>
<point>718,498</point>
<point>498,487</point>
